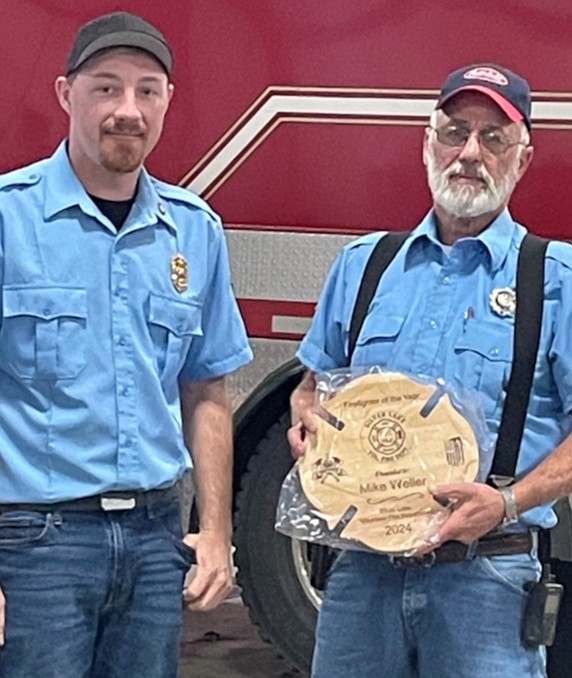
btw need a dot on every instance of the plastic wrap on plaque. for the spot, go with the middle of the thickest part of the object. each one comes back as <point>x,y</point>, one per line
<point>383,439</point>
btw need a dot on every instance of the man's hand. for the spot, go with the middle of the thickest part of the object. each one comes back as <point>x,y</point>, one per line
<point>303,417</point>
<point>298,434</point>
<point>213,579</point>
<point>207,422</point>
<point>476,509</point>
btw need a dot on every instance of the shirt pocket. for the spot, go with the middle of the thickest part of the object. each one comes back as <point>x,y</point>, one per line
<point>376,342</point>
<point>43,332</point>
<point>483,360</point>
<point>173,324</point>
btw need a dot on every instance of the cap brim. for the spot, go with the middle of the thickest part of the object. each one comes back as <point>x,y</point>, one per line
<point>509,109</point>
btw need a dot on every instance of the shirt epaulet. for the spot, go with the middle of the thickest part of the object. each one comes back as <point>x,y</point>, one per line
<point>22,177</point>
<point>368,240</point>
<point>179,194</point>
<point>561,252</point>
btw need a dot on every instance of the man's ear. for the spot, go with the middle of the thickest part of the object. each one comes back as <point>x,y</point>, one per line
<point>63,89</point>
<point>525,160</point>
<point>426,145</point>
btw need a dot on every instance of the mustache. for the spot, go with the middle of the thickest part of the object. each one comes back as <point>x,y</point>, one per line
<point>124,127</point>
<point>472,171</point>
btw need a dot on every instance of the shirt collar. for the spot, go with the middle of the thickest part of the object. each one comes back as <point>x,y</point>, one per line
<point>65,190</point>
<point>149,205</point>
<point>496,239</point>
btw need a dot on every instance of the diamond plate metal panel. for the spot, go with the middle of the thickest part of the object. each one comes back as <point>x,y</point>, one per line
<point>278,265</point>
<point>269,354</point>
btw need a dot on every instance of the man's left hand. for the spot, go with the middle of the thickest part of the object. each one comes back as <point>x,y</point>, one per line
<point>476,508</point>
<point>213,579</point>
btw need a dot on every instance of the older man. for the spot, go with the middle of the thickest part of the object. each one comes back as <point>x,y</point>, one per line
<point>436,312</point>
<point>118,324</point>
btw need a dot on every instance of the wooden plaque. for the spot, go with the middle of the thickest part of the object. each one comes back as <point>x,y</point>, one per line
<point>397,438</point>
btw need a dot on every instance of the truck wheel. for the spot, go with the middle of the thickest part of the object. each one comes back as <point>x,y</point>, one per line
<point>273,570</point>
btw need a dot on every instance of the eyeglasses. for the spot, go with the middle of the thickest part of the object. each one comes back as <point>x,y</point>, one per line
<point>456,133</point>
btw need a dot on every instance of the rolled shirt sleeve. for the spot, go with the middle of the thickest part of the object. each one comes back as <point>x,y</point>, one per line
<point>223,345</point>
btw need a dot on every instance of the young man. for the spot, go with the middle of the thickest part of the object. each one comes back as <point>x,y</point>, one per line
<point>440,311</point>
<point>118,324</point>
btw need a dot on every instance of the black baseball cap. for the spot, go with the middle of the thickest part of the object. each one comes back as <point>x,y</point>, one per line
<point>119,29</point>
<point>508,90</point>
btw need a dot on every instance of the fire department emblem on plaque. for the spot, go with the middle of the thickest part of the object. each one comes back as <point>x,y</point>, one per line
<point>328,468</point>
<point>385,435</point>
<point>179,272</point>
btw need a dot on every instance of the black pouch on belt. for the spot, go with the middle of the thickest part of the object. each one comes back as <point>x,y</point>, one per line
<point>543,603</point>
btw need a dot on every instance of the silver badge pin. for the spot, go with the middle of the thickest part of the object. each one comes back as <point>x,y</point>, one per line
<point>503,301</point>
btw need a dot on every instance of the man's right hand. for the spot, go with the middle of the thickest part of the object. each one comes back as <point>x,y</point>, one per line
<point>303,417</point>
<point>298,434</point>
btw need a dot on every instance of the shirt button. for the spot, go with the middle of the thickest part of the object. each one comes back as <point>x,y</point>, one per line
<point>122,341</point>
<point>446,280</point>
<point>161,208</point>
<point>125,391</point>
<point>128,442</point>
<point>47,311</point>
<point>433,323</point>
<point>494,351</point>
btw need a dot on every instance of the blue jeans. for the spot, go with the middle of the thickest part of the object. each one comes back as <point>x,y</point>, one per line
<point>458,620</point>
<point>92,594</point>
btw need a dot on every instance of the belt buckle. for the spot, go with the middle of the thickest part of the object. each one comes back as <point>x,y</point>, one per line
<point>117,503</point>
<point>414,562</point>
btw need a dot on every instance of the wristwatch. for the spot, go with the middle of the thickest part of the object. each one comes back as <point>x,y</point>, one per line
<point>510,510</point>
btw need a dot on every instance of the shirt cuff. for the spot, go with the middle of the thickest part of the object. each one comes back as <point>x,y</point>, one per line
<point>314,358</point>
<point>219,368</point>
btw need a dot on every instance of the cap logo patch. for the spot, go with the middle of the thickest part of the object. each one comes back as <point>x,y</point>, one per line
<point>486,74</point>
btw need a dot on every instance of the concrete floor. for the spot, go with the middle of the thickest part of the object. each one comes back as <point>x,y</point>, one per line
<point>225,644</point>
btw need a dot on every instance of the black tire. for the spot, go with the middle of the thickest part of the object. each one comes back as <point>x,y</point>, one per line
<point>272,590</point>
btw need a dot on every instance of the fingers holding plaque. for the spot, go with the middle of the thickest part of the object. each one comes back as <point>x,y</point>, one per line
<point>383,439</point>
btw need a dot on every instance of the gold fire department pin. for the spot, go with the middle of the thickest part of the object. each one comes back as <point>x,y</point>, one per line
<point>179,272</point>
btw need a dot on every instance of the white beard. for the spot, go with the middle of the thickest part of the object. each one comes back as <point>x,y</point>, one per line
<point>466,201</point>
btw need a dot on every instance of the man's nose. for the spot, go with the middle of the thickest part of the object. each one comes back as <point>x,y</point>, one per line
<point>128,108</point>
<point>472,148</point>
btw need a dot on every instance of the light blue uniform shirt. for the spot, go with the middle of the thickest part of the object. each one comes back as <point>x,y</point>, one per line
<point>432,316</point>
<point>94,336</point>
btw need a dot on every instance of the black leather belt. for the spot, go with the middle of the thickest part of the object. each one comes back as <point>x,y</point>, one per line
<point>109,501</point>
<point>493,544</point>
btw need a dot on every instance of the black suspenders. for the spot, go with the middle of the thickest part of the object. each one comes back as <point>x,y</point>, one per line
<point>527,325</point>
<point>528,320</point>
<point>382,255</point>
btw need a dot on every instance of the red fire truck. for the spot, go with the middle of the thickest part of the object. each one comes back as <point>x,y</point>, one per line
<point>301,121</point>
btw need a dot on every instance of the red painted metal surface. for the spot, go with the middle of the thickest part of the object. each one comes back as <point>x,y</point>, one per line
<point>259,315</point>
<point>308,175</point>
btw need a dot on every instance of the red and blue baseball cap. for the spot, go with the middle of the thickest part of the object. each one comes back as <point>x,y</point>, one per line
<point>508,90</point>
